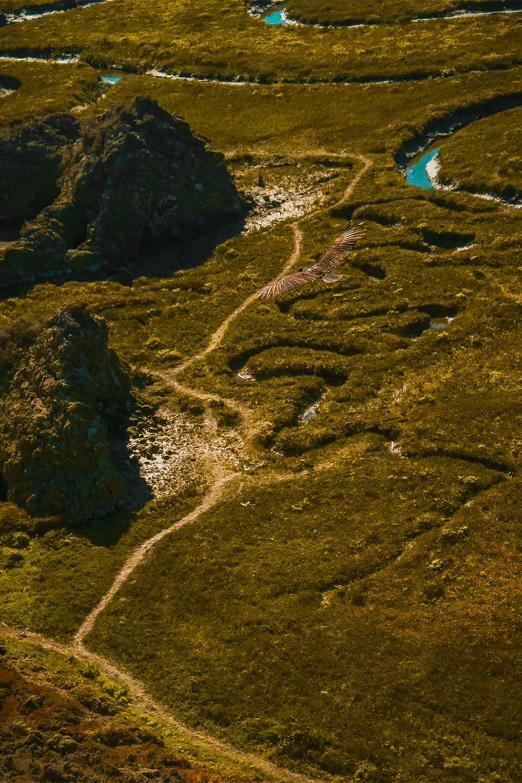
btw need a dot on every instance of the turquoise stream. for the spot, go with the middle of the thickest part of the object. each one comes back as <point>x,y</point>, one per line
<point>417,175</point>
<point>276,17</point>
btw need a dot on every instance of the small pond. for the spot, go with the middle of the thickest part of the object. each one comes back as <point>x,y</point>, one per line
<point>311,411</point>
<point>110,79</point>
<point>276,17</point>
<point>416,174</point>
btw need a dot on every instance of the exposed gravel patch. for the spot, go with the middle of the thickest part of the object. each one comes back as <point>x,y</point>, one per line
<point>173,450</point>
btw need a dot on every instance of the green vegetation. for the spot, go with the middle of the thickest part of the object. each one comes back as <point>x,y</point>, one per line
<point>51,577</point>
<point>377,12</point>
<point>60,716</point>
<point>485,157</point>
<point>211,38</point>
<point>339,618</point>
<point>45,88</point>
<point>349,608</point>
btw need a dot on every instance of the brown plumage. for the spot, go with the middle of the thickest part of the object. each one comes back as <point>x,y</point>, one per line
<point>321,270</point>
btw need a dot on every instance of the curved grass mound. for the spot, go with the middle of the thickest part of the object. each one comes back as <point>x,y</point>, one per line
<point>338,12</point>
<point>132,175</point>
<point>62,391</point>
<point>485,156</point>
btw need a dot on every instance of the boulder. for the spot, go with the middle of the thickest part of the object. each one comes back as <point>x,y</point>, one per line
<point>122,179</point>
<point>63,392</point>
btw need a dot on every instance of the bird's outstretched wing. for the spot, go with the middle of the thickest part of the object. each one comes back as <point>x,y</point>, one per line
<point>286,283</point>
<point>336,253</point>
<point>339,249</point>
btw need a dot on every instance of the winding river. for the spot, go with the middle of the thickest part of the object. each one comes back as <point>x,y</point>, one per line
<point>418,158</point>
<point>425,174</point>
<point>273,13</point>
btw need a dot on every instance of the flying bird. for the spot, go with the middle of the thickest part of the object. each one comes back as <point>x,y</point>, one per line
<point>321,270</point>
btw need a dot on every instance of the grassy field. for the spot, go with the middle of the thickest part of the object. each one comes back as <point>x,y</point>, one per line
<point>209,38</point>
<point>351,610</point>
<point>356,620</point>
<point>485,157</point>
<point>51,576</point>
<point>377,12</point>
<point>45,88</point>
<point>59,714</point>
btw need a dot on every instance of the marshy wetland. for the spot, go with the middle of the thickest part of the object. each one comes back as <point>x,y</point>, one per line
<point>324,582</point>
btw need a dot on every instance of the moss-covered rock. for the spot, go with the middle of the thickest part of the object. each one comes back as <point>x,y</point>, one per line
<point>30,167</point>
<point>133,174</point>
<point>62,389</point>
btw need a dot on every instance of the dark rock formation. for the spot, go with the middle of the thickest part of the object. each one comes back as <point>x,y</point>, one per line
<point>115,181</point>
<point>30,168</point>
<point>61,389</point>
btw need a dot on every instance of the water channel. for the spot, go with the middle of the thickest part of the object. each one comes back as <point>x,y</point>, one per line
<point>276,14</point>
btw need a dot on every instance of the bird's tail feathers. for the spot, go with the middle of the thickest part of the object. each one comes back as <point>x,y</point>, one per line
<point>331,277</point>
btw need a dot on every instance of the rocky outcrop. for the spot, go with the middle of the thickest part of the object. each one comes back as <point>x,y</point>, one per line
<point>111,183</point>
<point>30,165</point>
<point>63,392</point>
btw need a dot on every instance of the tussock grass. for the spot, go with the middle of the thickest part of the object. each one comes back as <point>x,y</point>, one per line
<point>375,12</point>
<point>485,157</point>
<point>46,88</point>
<point>358,620</point>
<point>215,39</point>
<point>328,619</point>
<point>51,576</point>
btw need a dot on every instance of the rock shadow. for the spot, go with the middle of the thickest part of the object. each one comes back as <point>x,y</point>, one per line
<point>131,181</point>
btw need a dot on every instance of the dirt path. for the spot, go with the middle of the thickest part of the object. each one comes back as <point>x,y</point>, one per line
<point>139,554</point>
<point>170,376</point>
<point>141,700</point>
<point>217,337</point>
<point>139,695</point>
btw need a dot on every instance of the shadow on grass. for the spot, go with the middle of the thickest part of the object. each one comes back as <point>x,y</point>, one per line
<point>9,82</point>
<point>105,531</point>
<point>166,256</point>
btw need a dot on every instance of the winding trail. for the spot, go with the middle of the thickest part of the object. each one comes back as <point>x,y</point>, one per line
<point>142,702</point>
<point>170,376</point>
<point>141,699</point>
<point>139,554</point>
<point>217,337</point>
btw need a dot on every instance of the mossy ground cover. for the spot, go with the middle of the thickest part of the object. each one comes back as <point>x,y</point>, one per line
<point>61,717</point>
<point>299,119</point>
<point>52,576</point>
<point>209,38</point>
<point>376,12</point>
<point>45,88</point>
<point>357,620</point>
<point>342,620</point>
<point>485,157</point>
<point>370,333</point>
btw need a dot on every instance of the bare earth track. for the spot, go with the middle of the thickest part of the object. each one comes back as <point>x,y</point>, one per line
<point>141,700</point>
